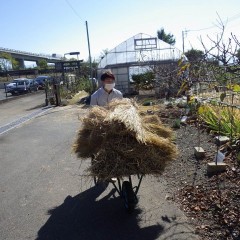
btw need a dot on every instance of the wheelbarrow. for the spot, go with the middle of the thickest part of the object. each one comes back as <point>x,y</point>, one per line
<point>125,189</point>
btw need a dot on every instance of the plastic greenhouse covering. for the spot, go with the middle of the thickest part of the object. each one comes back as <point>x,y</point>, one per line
<point>138,49</point>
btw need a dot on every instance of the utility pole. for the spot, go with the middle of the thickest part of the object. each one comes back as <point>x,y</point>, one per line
<point>184,33</point>
<point>183,41</point>
<point>89,53</point>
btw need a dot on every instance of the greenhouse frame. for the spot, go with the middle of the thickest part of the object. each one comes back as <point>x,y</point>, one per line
<point>134,56</point>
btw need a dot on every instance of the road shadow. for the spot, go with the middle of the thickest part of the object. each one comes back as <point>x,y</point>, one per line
<point>84,217</point>
<point>36,107</point>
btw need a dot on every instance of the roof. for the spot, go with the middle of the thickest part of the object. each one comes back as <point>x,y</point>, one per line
<point>140,48</point>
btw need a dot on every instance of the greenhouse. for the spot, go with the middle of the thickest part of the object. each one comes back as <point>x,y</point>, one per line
<point>137,55</point>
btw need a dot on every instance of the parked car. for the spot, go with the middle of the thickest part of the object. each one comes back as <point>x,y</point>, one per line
<point>21,85</point>
<point>33,85</point>
<point>41,80</point>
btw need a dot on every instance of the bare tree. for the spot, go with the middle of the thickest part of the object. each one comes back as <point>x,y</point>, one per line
<point>225,52</point>
<point>218,64</point>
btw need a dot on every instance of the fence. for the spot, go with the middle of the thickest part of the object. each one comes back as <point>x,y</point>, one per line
<point>65,87</point>
<point>220,95</point>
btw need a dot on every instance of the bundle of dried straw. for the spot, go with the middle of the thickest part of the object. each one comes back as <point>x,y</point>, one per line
<point>123,142</point>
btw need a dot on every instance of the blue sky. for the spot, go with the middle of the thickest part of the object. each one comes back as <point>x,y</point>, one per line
<point>52,26</point>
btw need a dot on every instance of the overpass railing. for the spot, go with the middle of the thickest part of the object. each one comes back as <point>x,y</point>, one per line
<point>28,53</point>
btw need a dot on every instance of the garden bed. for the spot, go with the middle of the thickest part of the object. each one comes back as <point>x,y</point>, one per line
<point>211,203</point>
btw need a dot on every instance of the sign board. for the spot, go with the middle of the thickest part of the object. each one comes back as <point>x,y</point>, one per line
<point>67,64</point>
<point>145,43</point>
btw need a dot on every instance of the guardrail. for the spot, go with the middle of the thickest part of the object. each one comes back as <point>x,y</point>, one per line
<point>29,53</point>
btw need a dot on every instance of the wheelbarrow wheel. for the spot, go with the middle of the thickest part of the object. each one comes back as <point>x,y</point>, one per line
<point>95,179</point>
<point>128,196</point>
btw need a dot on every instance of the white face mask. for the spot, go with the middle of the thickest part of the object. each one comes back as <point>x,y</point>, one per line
<point>109,86</point>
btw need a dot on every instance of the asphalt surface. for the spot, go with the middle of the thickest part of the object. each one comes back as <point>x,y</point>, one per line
<point>44,193</point>
<point>20,106</point>
<point>3,95</point>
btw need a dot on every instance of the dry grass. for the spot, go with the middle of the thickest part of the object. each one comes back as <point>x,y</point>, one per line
<point>128,116</point>
<point>123,142</point>
<point>75,99</point>
<point>216,96</point>
<point>154,119</point>
<point>159,130</point>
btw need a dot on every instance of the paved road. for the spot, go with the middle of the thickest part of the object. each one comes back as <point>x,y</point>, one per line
<point>45,195</point>
<point>3,94</point>
<point>21,106</point>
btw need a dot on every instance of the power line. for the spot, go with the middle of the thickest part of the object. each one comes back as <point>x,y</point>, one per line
<point>90,58</point>
<point>76,13</point>
<point>234,17</point>
<point>201,29</point>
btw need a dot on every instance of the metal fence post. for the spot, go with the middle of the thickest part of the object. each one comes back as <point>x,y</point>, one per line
<point>5,89</point>
<point>46,95</point>
<point>55,93</point>
<point>58,97</point>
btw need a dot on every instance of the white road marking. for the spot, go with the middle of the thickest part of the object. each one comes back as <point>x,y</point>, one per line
<point>18,122</point>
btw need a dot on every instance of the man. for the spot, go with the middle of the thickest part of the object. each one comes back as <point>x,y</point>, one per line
<point>107,92</point>
<point>102,97</point>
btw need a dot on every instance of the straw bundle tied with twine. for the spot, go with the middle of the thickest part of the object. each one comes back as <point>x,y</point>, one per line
<point>123,142</point>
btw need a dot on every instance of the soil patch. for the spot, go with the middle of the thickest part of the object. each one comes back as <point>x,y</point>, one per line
<point>211,203</point>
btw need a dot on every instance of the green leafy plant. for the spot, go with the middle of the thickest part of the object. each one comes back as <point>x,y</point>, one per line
<point>166,37</point>
<point>144,81</point>
<point>42,64</point>
<point>81,84</point>
<point>6,61</point>
<point>229,119</point>
<point>148,102</point>
<point>176,123</point>
<point>84,84</point>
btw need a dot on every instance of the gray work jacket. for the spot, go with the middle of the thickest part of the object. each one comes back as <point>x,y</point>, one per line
<point>102,98</point>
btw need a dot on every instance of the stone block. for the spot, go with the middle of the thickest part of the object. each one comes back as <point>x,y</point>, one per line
<point>184,120</point>
<point>213,168</point>
<point>199,152</point>
<point>220,140</point>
